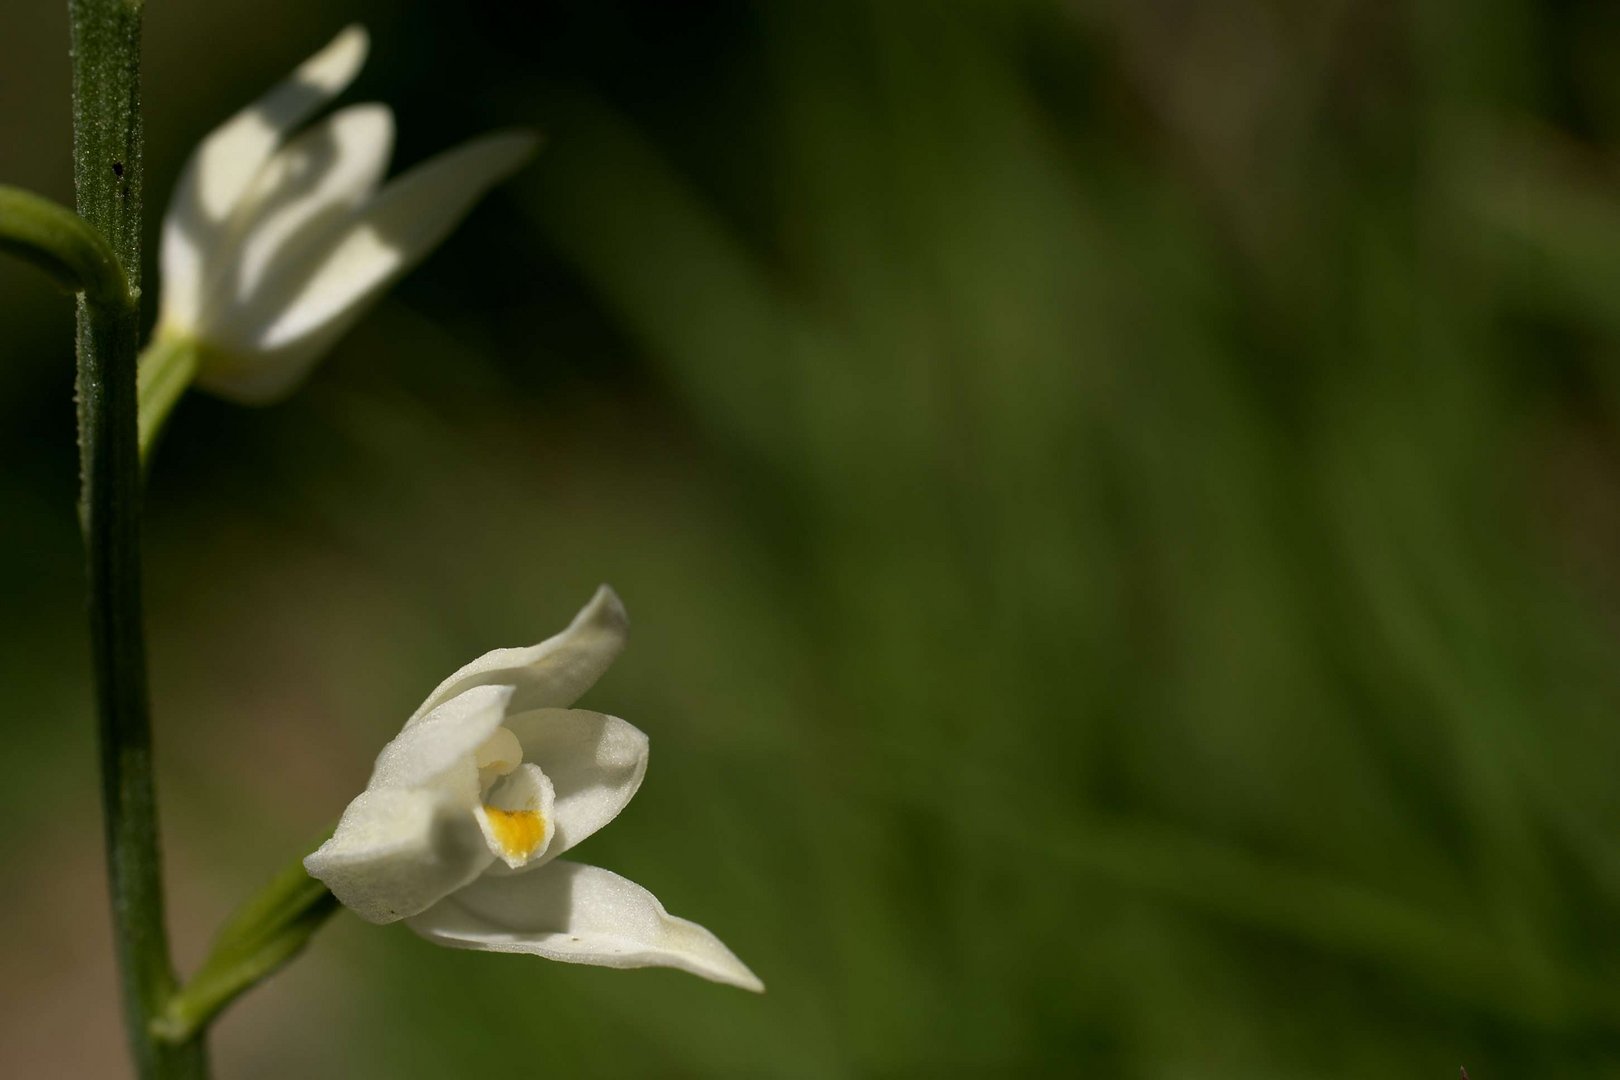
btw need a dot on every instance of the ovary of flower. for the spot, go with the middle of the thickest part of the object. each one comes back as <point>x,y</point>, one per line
<point>459,829</point>
<point>274,243</point>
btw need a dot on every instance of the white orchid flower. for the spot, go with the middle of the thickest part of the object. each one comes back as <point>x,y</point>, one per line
<point>459,829</point>
<point>275,243</point>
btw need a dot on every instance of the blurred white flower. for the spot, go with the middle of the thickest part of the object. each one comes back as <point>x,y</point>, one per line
<point>467,809</point>
<point>274,243</point>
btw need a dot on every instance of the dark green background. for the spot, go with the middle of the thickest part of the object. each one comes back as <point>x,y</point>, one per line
<point>1119,500</point>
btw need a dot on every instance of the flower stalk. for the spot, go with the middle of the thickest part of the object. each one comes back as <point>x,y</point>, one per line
<point>262,937</point>
<point>106,42</point>
<point>167,368</point>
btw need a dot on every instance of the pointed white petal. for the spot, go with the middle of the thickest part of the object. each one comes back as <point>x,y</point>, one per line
<point>406,220</point>
<point>581,915</point>
<point>225,163</point>
<point>398,851</point>
<point>445,740</point>
<point>554,673</point>
<point>317,296</point>
<point>595,764</point>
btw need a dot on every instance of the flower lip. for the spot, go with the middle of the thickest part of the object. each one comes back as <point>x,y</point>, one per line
<point>499,755</point>
<point>517,815</point>
<point>517,833</point>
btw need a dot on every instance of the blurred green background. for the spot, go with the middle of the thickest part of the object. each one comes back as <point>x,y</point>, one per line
<point>1119,500</point>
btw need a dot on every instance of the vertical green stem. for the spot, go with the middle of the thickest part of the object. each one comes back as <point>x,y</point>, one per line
<point>106,43</point>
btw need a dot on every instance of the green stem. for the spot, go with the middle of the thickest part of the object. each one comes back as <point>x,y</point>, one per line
<point>106,38</point>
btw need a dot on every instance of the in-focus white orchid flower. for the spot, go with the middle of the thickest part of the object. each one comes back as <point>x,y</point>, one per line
<point>274,243</point>
<point>459,829</point>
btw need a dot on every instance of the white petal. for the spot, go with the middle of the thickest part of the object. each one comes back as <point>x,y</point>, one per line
<point>398,851</point>
<point>302,197</point>
<point>225,163</point>
<point>554,673</point>
<point>317,296</point>
<point>595,764</point>
<point>445,740</point>
<point>307,189</point>
<point>581,915</point>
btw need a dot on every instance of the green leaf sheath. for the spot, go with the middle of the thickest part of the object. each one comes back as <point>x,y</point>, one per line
<point>106,40</point>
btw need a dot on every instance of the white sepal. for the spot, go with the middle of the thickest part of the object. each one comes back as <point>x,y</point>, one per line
<point>313,296</point>
<point>408,217</point>
<point>552,674</point>
<point>411,837</point>
<point>444,741</point>
<point>582,915</point>
<point>398,851</point>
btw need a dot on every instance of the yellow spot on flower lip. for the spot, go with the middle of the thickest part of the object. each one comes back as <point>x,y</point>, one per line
<point>518,832</point>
